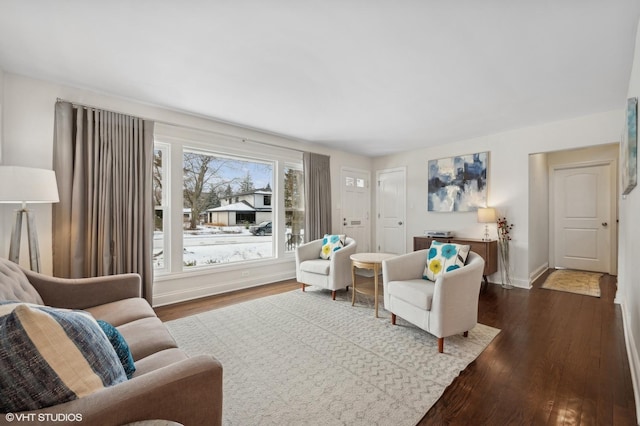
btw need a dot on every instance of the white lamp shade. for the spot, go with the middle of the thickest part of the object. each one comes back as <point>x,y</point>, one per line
<point>27,185</point>
<point>487,215</point>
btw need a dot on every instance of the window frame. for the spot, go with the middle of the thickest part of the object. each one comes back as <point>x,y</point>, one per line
<point>297,167</point>
<point>226,156</point>
<point>164,207</point>
<point>180,139</point>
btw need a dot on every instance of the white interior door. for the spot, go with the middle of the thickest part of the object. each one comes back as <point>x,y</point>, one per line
<point>582,218</point>
<point>356,202</point>
<point>391,206</point>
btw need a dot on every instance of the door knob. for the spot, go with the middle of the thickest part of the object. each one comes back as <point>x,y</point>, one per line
<point>604,223</point>
<point>399,223</point>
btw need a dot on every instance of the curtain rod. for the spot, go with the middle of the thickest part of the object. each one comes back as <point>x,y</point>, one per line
<point>241,139</point>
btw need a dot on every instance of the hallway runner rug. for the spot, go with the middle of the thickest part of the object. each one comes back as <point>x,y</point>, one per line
<point>579,282</point>
<point>301,358</point>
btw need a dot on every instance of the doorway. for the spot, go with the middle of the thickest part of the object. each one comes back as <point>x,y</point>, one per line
<point>355,211</point>
<point>391,210</point>
<point>581,216</point>
<point>581,186</point>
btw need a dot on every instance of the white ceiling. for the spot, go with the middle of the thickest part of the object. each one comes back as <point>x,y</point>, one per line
<point>367,76</point>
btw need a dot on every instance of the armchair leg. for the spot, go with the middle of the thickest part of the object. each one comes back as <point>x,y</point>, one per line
<point>333,294</point>
<point>393,319</point>
<point>465,334</point>
<point>303,286</point>
<point>440,344</point>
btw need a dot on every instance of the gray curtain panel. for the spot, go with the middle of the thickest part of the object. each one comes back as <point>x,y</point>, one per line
<point>103,224</point>
<point>317,187</point>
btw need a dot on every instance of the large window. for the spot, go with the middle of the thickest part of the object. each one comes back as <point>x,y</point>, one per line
<point>220,203</point>
<point>225,219</point>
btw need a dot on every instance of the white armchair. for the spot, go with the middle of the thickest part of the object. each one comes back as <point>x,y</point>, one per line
<point>333,274</point>
<point>443,308</point>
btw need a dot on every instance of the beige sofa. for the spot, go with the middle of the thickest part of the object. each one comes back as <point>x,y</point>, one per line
<point>167,383</point>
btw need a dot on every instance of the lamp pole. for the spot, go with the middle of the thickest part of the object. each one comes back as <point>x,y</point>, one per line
<point>27,185</point>
<point>32,235</point>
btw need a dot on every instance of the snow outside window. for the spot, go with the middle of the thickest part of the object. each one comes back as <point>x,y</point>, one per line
<point>160,201</point>
<point>225,218</point>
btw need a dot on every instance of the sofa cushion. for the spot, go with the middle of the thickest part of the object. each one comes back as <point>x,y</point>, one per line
<point>146,336</point>
<point>50,356</point>
<point>443,258</point>
<point>158,360</point>
<point>331,244</point>
<point>416,292</point>
<point>316,266</point>
<point>122,311</point>
<point>120,346</point>
<point>14,284</point>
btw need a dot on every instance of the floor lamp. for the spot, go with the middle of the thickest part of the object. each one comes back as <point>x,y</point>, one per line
<point>26,185</point>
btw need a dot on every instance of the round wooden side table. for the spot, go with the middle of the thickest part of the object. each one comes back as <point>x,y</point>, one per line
<point>368,261</point>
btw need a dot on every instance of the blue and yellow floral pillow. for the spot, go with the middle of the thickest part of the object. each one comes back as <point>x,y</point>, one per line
<point>444,257</point>
<point>330,244</point>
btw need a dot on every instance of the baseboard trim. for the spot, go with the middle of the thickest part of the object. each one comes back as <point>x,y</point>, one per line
<point>520,283</point>
<point>183,295</point>
<point>634,359</point>
<point>538,273</point>
<point>515,282</point>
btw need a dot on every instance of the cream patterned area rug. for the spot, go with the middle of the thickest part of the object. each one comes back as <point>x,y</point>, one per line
<point>300,358</point>
<point>579,282</point>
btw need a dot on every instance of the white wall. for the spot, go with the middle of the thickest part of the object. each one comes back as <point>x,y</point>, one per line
<point>629,253</point>
<point>508,178</point>
<point>538,215</point>
<point>2,213</point>
<point>1,108</point>
<point>28,130</point>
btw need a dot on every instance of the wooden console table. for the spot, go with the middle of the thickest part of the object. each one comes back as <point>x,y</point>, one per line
<point>488,250</point>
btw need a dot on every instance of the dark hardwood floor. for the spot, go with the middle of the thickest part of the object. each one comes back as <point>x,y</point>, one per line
<point>559,359</point>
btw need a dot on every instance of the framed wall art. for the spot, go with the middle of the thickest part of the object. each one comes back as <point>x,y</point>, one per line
<point>458,184</point>
<point>629,147</point>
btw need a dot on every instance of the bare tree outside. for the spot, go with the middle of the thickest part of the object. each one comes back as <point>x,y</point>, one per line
<point>246,184</point>
<point>229,208</point>
<point>202,172</point>
<point>294,205</point>
<point>157,177</point>
<point>159,168</point>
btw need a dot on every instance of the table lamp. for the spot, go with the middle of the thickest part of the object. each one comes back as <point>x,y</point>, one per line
<point>26,185</point>
<point>487,215</point>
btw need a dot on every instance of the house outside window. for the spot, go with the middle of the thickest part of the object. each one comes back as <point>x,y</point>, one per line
<point>216,231</point>
<point>214,193</point>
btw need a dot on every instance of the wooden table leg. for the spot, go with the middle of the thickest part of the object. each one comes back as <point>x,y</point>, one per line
<point>375,291</point>
<point>353,284</point>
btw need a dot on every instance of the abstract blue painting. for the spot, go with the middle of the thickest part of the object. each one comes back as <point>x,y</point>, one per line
<point>629,149</point>
<point>458,184</point>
